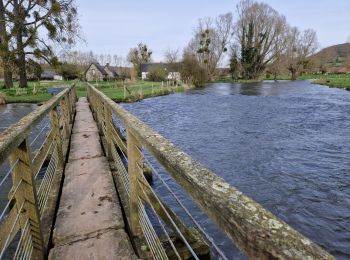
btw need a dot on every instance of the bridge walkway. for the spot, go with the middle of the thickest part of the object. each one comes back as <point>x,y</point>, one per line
<point>89,223</point>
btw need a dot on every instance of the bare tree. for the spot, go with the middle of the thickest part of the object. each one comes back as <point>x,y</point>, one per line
<point>261,36</point>
<point>172,56</point>
<point>299,49</point>
<point>210,41</point>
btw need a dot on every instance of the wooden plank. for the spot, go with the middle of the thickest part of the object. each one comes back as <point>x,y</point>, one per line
<point>134,158</point>
<point>26,195</point>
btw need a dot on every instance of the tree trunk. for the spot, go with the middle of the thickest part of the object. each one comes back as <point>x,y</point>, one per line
<point>8,78</point>
<point>21,63</point>
<point>5,52</point>
<point>294,75</point>
<point>21,57</point>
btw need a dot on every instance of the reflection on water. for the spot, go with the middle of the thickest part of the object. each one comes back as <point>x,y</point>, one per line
<point>285,144</point>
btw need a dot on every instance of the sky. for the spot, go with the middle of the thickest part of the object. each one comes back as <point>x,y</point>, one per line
<point>115,26</point>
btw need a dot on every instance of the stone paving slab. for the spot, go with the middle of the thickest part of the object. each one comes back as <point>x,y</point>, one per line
<point>84,116</point>
<point>89,223</point>
<point>83,108</point>
<point>85,145</point>
<point>84,125</point>
<point>88,203</point>
<point>110,245</point>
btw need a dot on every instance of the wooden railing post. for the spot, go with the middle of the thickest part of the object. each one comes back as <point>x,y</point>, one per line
<point>99,114</point>
<point>26,197</point>
<point>65,117</point>
<point>109,131</point>
<point>70,106</point>
<point>57,135</point>
<point>134,161</point>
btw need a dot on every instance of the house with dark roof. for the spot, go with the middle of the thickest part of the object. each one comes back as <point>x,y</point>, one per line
<point>172,70</point>
<point>112,74</point>
<point>50,75</point>
<point>95,72</point>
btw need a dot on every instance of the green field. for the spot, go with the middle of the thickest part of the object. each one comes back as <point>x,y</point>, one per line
<point>115,90</point>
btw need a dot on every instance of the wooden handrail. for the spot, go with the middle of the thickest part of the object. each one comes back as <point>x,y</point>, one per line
<point>254,229</point>
<point>14,135</point>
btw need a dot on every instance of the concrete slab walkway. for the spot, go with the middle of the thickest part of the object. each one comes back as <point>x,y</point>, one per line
<point>89,222</point>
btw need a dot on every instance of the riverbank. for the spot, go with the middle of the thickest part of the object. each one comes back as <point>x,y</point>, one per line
<point>335,82</point>
<point>331,80</point>
<point>37,92</point>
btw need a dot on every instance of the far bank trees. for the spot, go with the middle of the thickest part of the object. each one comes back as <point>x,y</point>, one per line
<point>262,39</point>
<point>139,55</point>
<point>211,40</point>
<point>261,35</point>
<point>300,46</point>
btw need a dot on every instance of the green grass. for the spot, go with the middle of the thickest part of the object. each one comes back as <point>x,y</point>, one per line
<point>115,90</point>
<point>137,91</point>
<point>335,82</point>
<point>331,80</point>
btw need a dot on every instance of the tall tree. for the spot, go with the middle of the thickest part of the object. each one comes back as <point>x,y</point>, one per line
<point>234,63</point>
<point>139,55</point>
<point>210,41</point>
<point>5,53</point>
<point>261,35</point>
<point>301,45</point>
<point>172,58</point>
<point>33,24</point>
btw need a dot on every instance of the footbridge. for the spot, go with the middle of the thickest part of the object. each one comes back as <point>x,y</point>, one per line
<point>75,183</point>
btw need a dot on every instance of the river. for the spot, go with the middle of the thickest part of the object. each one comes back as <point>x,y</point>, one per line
<point>285,144</point>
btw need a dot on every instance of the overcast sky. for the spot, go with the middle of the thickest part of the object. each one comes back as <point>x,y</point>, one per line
<point>114,26</point>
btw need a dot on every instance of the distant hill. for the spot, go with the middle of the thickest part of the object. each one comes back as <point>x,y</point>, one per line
<point>332,56</point>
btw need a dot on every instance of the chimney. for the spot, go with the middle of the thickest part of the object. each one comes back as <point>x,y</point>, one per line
<point>107,64</point>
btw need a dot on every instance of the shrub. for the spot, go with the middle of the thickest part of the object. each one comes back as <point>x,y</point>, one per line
<point>192,71</point>
<point>157,73</point>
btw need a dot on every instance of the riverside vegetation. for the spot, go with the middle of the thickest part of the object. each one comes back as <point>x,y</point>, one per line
<point>37,92</point>
<point>331,80</point>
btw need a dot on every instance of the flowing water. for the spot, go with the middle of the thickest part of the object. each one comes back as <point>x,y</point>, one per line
<point>285,144</point>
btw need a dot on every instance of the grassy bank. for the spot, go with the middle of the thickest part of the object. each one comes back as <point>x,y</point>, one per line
<point>334,82</point>
<point>331,80</point>
<point>139,90</point>
<point>37,92</point>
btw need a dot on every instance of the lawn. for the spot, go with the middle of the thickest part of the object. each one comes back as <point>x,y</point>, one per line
<point>115,90</point>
